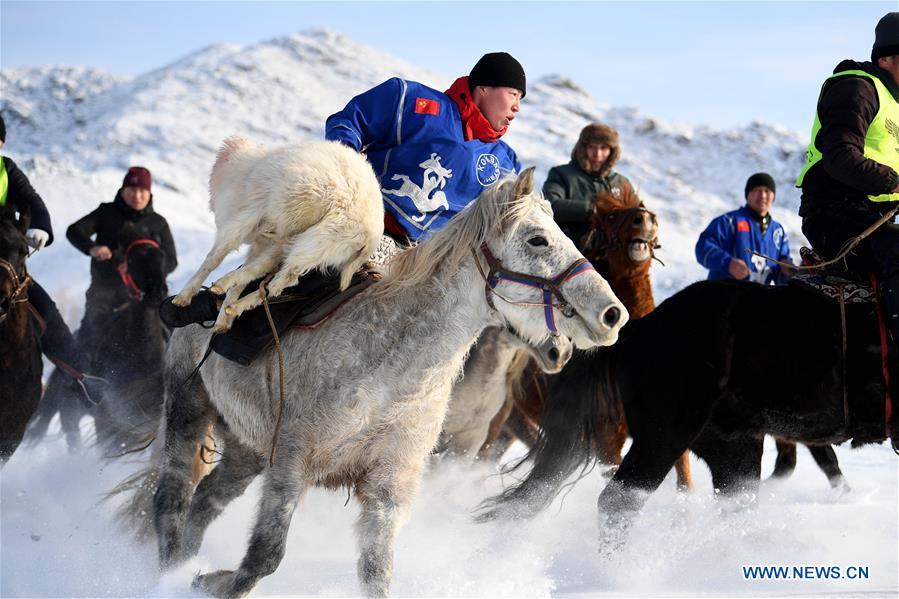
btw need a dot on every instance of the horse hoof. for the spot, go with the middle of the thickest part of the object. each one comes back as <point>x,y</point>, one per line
<point>231,311</point>
<point>181,300</point>
<point>217,289</point>
<point>216,584</point>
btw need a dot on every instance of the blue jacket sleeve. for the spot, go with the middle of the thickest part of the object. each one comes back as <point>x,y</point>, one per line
<point>368,118</point>
<point>713,247</point>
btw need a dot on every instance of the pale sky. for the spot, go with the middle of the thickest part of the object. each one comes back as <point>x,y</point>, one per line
<point>716,63</point>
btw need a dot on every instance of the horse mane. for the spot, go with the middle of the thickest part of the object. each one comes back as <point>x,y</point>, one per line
<point>497,209</point>
<point>606,201</point>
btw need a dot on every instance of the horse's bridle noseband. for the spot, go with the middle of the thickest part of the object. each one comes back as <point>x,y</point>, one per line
<point>133,290</point>
<point>20,285</point>
<point>615,242</point>
<point>550,287</point>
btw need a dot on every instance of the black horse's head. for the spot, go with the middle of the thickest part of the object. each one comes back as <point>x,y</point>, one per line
<point>143,271</point>
<point>13,251</point>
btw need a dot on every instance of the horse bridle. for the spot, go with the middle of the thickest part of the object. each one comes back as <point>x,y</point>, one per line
<point>550,287</point>
<point>20,286</point>
<point>133,290</point>
<point>615,242</point>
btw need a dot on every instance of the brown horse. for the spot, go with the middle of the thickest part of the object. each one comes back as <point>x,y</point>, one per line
<point>620,244</point>
<point>20,352</point>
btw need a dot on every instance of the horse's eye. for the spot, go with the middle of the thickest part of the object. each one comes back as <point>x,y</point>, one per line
<point>611,217</point>
<point>538,240</point>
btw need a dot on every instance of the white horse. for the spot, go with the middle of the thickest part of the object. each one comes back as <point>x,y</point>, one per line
<point>312,205</point>
<point>496,363</point>
<point>367,391</point>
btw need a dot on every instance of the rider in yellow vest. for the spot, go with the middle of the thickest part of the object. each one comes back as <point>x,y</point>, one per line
<point>851,176</point>
<point>57,342</point>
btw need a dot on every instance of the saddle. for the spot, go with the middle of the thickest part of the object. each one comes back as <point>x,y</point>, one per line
<point>833,281</point>
<point>306,305</point>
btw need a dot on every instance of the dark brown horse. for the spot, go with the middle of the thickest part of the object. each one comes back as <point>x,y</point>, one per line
<point>20,351</point>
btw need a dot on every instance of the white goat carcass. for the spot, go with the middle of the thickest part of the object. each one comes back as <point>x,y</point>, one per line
<point>315,204</point>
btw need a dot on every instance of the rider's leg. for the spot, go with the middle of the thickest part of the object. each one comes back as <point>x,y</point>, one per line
<point>57,342</point>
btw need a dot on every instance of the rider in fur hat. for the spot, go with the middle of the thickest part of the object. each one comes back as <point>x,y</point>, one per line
<point>571,187</point>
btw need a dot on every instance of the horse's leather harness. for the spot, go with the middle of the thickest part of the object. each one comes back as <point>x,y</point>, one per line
<point>20,286</point>
<point>605,245</point>
<point>133,290</point>
<point>497,272</point>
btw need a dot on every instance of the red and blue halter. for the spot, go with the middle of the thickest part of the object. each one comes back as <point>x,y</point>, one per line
<point>549,287</point>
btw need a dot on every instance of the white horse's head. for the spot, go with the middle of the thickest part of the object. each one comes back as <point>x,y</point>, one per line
<point>532,276</point>
<point>537,279</point>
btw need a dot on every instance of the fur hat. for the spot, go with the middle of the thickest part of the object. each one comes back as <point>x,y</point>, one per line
<point>597,133</point>
<point>498,69</point>
<point>138,176</point>
<point>759,180</point>
<point>886,37</point>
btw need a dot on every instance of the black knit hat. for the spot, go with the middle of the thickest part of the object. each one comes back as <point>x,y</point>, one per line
<point>759,180</point>
<point>886,37</point>
<point>2,130</point>
<point>498,69</point>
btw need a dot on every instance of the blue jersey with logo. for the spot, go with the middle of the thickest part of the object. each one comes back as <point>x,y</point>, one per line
<point>412,135</point>
<point>731,235</point>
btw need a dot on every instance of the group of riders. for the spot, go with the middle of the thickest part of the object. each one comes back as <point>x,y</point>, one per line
<point>452,143</point>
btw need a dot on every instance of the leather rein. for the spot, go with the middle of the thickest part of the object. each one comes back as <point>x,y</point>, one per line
<point>20,286</point>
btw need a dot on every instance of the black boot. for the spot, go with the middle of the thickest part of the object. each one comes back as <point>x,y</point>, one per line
<point>204,307</point>
<point>58,344</point>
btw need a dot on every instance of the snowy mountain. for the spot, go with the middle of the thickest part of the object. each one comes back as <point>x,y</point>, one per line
<point>75,130</point>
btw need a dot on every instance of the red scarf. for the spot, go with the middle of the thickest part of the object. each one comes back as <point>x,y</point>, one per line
<point>474,125</point>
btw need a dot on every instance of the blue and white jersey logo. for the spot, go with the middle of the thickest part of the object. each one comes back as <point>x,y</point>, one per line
<point>778,237</point>
<point>488,169</point>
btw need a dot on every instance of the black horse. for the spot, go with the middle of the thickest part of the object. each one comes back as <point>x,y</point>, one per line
<point>20,350</point>
<point>128,354</point>
<point>713,369</point>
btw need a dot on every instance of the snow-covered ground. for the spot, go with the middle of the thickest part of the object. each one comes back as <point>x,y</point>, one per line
<point>74,131</point>
<point>59,540</point>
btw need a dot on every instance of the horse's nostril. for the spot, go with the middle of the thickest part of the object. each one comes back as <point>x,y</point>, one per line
<point>611,316</point>
<point>553,354</point>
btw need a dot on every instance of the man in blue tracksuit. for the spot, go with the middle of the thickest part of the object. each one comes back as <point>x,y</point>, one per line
<point>435,152</point>
<point>724,246</point>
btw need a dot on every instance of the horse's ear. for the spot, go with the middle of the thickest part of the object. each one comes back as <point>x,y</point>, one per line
<point>525,183</point>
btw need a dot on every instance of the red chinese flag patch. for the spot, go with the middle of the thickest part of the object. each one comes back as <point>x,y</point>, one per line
<point>742,226</point>
<point>425,106</point>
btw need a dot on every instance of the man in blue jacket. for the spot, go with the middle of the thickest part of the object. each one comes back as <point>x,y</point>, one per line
<point>435,152</point>
<point>724,247</point>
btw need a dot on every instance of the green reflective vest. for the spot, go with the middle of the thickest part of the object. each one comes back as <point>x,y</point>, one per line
<point>4,182</point>
<point>881,141</point>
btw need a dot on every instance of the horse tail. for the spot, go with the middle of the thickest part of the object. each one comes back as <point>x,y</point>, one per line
<point>135,514</point>
<point>230,147</point>
<point>577,401</point>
